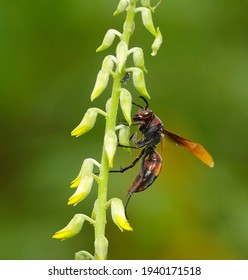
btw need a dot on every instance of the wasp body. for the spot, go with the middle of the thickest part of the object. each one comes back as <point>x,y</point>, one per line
<point>153,131</point>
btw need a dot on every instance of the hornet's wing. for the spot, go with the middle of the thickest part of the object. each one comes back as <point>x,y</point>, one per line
<point>195,148</point>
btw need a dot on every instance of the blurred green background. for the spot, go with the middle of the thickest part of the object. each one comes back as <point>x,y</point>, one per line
<point>198,84</point>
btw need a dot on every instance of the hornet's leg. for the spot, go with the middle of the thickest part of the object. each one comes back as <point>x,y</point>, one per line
<point>132,164</point>
<point>130,193</point>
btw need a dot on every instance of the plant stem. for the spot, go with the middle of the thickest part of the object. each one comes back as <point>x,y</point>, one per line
<point>110,125</point>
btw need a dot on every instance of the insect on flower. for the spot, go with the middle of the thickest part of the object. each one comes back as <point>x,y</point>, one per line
<point>125,78</point>
<point>153,132</point>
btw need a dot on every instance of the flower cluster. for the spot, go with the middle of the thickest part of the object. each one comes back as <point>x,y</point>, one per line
<point>115,67</point>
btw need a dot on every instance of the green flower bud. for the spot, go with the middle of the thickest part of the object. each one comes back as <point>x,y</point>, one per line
<point>108,62</point>
<point>139,81</point>
<point>101,83</point>
<point>118,215</point>
<point>83,255</point>
<point>110,143</point>
<point>101,248</point>
<point>87,122</point>
<point>157,42</point>
<point>138,58</point>
<point>130,29</point>
<point>95,209</point>
<point>147,19</point>
<point>108,39</point>
<point>126,104</point>
<point>146,3</point>
<point>121,55</point>
<point>124,135</point>
<point>122,6</point>
<point>108,105</point>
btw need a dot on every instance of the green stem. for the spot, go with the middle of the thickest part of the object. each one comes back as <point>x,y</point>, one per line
<point>101,247</point>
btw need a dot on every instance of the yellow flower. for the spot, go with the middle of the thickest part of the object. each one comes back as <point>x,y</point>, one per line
<point>72,229</point>
<point>75,183</point>
<point>82,191</point>
<point>118,215</point>
<point>83,182</point>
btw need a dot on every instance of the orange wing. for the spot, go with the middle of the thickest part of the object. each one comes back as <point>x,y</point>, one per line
<point>195,148</point>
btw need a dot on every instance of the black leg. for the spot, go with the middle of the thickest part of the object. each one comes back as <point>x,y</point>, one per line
<point>130,193</point>
<point>132,164</point>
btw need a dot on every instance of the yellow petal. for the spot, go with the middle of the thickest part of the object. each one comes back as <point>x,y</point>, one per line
<point>80,130</point>
<point>123,223</point>
<point>75,183</point>
<point>62,234</point>
<point>75,199</point>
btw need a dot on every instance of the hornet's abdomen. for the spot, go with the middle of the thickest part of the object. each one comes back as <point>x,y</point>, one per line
<point>150,168</point>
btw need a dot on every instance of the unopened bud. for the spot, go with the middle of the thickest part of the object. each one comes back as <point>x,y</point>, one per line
<point>95,210</point>
<point>101,248</point>
<point>83,255</point>
<point>110,143</point>
<point>101,83</point>
<point>146,3</point>
<point>122,6</point>
<point>124,135</point>
<point>147,19</point>
<point>121,55</point>
<point>87,122</point>
<point>157,42</point>
<point>129,28</point>
<point>138,58</point>
<point>126,104</point>
<point>108,62</point>
<point>139,81</point>
<point>108,39</point>
<point>108,105</point>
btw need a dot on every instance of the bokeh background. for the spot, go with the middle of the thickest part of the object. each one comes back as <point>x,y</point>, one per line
<point>198,83</point>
